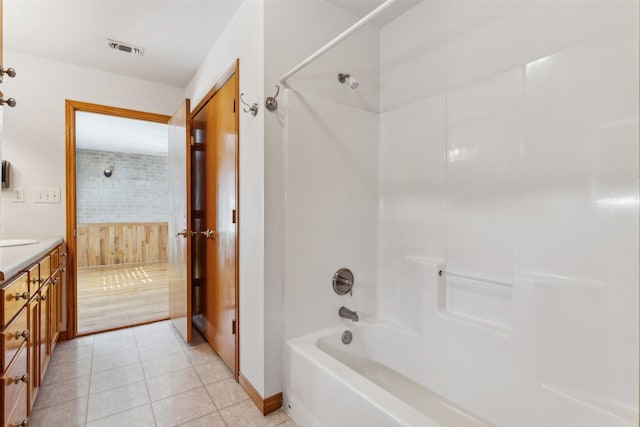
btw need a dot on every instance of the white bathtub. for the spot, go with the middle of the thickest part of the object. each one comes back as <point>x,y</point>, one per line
<point>365,383</point>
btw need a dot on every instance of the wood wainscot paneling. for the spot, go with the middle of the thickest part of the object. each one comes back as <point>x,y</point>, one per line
<point>121,243</point>
<point>266,406</point>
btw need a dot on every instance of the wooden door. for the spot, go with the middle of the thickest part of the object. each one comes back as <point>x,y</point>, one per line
<point>216,125</point>
<point>180,305</point>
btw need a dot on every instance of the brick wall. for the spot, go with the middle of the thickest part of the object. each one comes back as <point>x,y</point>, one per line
<point>137,191</point>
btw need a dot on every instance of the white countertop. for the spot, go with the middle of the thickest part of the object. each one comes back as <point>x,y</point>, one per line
<point>14,259</point>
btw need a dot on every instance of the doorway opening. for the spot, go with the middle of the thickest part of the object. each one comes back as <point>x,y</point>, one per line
<point>117,214</point>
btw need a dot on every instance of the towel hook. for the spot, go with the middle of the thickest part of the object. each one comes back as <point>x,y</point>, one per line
<point>253,108</point>
<point>271,103</point>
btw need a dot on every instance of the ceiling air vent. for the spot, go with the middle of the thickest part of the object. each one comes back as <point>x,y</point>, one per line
<point>125,47</point>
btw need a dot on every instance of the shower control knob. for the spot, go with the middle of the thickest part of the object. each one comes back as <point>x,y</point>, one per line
<point>10,102</point>
<point>10,72</point>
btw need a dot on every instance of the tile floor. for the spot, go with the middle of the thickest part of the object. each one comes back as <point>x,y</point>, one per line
<point>143,376</point>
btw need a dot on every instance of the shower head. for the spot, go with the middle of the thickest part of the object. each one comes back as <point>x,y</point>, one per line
<point>346,78</point>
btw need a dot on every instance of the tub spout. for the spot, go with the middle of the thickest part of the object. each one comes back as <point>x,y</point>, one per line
<point>348,314</point>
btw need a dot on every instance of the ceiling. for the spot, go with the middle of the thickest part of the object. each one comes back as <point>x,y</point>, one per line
<point>360,8</point>
<point>176,34</point>
<point>117,134</point>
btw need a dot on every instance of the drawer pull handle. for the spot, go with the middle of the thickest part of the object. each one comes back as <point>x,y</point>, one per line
<point>63,254</point>
<point>37,298</point>
<point>55,281</point>
<point>24,378</point>
<point>23,334</point>
<point>24,295</point>
<point>44,297</point>
<point>37,280</point>
<point>63,269</point>
<point>23,423</point>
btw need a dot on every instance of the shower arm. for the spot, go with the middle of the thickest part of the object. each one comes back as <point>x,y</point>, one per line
<point>346,33</point>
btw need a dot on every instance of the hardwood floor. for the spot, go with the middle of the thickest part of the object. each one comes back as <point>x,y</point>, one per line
<point>121,295</point>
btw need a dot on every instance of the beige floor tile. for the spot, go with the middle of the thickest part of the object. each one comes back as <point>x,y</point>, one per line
<point>213,371</point>
<point>182,407</point>
<point>158,349</point>
<point>114,345</point>
<point>201,354</point>
<point>141,416</point>
<point>67,371</point>
<point>226,393</point>
<point>86,340</point>
<point>117,400</point>
<point>165,365</point>
<point>67,414</point>
<point>71,354</point>
<point>113,335</point>
<point>211,420</point>
<point>245,414</point>
<point>164,325</point>
<point>53,394</point>
<point>115,360</point>
<point>287,423</point>
<point>196,339</point>
<point>173,383</point>
<point>147,338</point>
<point>117,377</point>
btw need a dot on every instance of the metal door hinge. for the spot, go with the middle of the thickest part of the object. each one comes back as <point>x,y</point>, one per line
<point>234,216</point>
<point>193,140</point>
<point>75,232</point>
<point>233,326</point>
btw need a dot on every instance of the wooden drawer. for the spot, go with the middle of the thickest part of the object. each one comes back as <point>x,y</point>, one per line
<point>55,259</point>
<point>14,297</point>
<point>15,379</point>
<point>18,417</point>
<point>45,268</point>
<point>34,279</point>
<point>12,338</point>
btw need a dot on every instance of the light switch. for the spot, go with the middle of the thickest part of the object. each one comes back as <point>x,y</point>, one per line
<point>47,195</point>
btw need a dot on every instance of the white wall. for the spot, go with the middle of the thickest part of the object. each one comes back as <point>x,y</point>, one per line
<point>306,142</point>
<point>509,153</point>
<point>243,39</point>
<point>34,131</point>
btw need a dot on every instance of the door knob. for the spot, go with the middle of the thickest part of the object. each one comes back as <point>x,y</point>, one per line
<point>7,71</point>
<point>23,334</point>
<point>24,295</point>
<point>10,102</point>
<point>24,378</point>
<point>209,234</point>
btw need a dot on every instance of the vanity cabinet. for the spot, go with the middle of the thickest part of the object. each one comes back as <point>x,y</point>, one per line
<point>31,320</point>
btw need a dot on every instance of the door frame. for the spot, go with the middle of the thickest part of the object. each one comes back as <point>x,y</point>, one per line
<point>233,69</point>
<point>71,107</point>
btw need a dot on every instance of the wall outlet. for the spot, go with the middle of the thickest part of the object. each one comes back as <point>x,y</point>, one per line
<point>17,195</point>
<point>47,195</point>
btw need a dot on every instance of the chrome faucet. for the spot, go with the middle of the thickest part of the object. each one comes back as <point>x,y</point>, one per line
<point>348,314</point>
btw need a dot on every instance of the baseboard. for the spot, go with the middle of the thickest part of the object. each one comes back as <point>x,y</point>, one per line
<point>266,406</point>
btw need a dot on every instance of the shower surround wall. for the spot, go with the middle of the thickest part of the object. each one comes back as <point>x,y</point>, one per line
<point>514,160</point>
<point>506,150</point>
